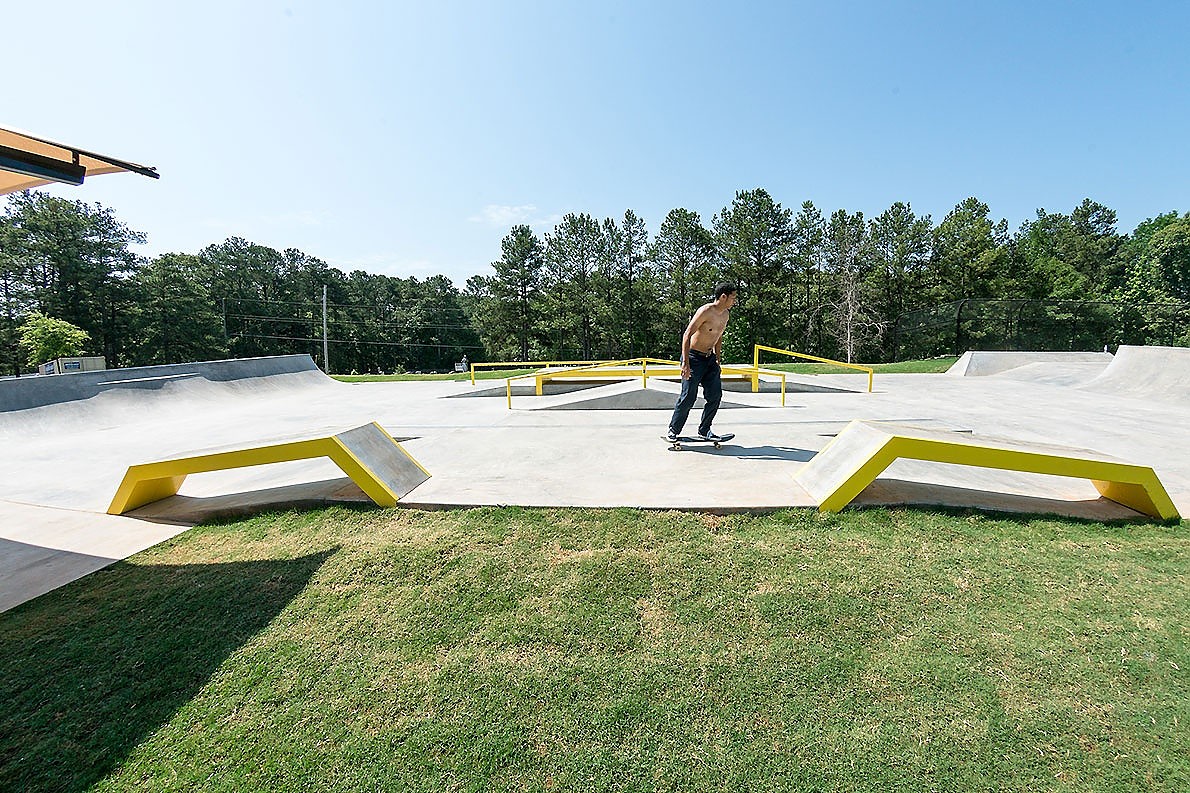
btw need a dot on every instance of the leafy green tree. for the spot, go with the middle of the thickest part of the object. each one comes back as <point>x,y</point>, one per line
<point>45,338</point>
<point>898,247</point>
<point>248,280</point>
<point>12,305</point>
<point>684,276</point>
<point>1169,253</point>
<point>803,305</point>
<point>632,269</point>
<point>71,259</point>
<point>573,252</point>
<point>970,256</point>
<point>174,319</point>
<point>1093,245</point>
<point>510,315</point>
<point>753,237</point>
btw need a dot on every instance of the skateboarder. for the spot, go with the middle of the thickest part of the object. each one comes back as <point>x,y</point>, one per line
<point>702,346</point>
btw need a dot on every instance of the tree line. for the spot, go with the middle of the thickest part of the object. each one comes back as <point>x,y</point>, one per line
<point>838,285</point>
<point>72,261</point>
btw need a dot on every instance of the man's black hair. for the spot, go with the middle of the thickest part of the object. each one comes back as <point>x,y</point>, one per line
<point>724,289</point>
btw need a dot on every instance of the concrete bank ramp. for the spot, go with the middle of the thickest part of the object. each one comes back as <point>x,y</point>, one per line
<point>1158,374</point>
<point>1057,374</point>
<point>279,373</point>
<point>629,395</point>
<point>981,363</point>
<point>525,387</point>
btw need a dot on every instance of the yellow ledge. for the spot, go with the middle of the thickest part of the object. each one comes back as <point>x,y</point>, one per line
<point>862,451</point>
<point>367,454</point>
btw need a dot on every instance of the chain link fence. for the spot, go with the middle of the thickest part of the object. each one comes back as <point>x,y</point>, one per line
<point>1046,325</point>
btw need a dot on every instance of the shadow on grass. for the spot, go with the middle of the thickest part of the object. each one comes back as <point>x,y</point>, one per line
<point>90,670</point>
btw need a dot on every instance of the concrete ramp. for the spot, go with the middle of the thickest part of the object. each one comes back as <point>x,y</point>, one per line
<point>981,363</point>
<point>277,373</point>
<point>522,388</point>
<point>863,450</point>
<point>628,395</point>
<point>1056,374</point>
<point>1158,374</point>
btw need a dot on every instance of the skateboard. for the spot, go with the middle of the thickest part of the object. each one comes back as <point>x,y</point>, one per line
<point>677,445</point>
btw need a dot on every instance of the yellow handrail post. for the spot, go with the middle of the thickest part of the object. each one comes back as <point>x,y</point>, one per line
<point>508,388</point>
<point>644,372</point>
<point>472,374</point>
<point>782,389</point>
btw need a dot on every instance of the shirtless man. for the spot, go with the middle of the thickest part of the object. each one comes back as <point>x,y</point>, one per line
<point>702,346</point>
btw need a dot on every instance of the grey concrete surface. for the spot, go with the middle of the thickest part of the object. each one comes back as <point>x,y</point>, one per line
<point>66,459</point>
<point>982,363</point>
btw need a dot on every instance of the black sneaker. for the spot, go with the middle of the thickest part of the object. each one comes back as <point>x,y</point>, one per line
<point>672,437</point>
<point>710,436</point>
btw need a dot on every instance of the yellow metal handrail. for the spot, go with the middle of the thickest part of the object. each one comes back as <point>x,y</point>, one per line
<point>643,363</point>
<point>518,364</point>
<point>550,375</point>
<point>758,347</point>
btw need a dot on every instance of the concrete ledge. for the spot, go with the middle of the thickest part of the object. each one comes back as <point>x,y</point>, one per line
<point>367,454</point>
<point>864,449</point>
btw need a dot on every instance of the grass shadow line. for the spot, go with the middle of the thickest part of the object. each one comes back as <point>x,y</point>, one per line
<point>88,671</point>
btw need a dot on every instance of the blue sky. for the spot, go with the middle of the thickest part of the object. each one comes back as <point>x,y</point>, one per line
<point>406,138</point>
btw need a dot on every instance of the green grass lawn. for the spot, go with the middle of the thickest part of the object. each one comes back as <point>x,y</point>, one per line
<point>927,366</point>
<point>930,365</point>
<point>509,649</point>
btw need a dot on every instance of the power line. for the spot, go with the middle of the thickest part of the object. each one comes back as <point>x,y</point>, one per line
<point>360,341</point>
<point>333,321</point>
<point>318,304</point>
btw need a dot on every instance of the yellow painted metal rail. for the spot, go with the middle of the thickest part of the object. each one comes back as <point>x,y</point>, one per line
<point>644,368</point>
<point>758,348</point>
<point>522,365</point>
<point>864,449</point>
<point>367,454</point>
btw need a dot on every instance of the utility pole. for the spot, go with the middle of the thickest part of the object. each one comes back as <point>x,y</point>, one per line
<point>326,361</point>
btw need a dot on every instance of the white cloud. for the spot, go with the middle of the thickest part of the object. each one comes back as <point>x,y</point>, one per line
<point>388,264</point>
<point>503,216</point>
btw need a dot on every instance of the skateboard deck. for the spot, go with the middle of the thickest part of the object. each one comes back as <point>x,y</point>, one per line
<point>691,440</point>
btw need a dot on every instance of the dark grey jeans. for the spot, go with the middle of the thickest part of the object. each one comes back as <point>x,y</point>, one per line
<point>704,371</point>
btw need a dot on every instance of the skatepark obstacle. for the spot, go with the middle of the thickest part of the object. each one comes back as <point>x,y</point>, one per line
<point>757,349</point>
<point>859,454</point>
<point>367,454</point>
<point>644,368</point>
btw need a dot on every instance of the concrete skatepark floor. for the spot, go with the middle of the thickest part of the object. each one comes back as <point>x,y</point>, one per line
<point>65,460</point>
